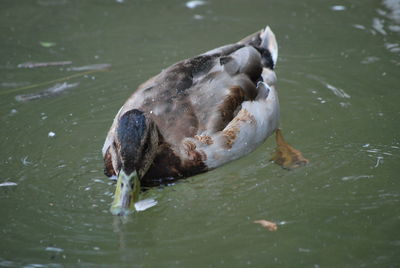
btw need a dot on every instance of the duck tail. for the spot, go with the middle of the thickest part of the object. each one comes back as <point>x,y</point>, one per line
<point>266,41</point>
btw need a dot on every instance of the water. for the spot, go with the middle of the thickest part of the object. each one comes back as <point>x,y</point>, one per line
<point>338,73</point>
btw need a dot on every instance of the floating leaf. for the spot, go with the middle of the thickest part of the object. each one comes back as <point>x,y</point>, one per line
<point>271,226</point>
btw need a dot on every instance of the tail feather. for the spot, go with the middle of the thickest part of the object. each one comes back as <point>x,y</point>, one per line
<point>268,41</point>
<point>264,39</point>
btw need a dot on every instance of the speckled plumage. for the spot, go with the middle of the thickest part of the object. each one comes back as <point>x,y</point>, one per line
<point>208,110</point>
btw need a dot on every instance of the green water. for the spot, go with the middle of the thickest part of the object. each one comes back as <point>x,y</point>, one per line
<point>339,88</point>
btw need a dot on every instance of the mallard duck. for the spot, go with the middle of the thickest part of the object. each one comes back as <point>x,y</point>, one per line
<point>196,115</point>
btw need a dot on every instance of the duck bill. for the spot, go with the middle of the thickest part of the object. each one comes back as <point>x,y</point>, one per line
<point>126,194</point>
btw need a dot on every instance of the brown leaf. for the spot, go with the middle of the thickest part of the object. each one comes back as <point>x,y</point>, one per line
<point>271,226</point>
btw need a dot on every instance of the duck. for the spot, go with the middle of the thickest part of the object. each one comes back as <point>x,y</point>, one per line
<point>196,115</point>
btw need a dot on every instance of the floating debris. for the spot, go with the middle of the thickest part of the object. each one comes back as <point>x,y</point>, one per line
<point>47,44</point>
<point>337,91</point>
<point>392,47</point>
<point>359,26</point>
<point>369,60</point>
<point>51,134</point>
<point>271,226</point>
<point>25,161</point>
<point>194,4</point>
<point>356,177</point>
<point>8,183</point>
<point>321,100</point>
<point>54,249</point>
<point>55,90</point>
<point>345,104</point>
<point>198,17</point>
<point>145,204</point>
<point>378,161</point>
<point>43,64</point>
<point>338,8</point>
<point>102,66</point>
<point>377,24</point>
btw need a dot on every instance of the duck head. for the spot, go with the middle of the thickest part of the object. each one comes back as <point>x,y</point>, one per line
<point>136,144</point>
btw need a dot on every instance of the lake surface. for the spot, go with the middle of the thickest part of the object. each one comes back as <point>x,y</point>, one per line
<point>339,87</point>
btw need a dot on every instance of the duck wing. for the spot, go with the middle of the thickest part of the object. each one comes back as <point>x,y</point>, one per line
<point>201,96</point>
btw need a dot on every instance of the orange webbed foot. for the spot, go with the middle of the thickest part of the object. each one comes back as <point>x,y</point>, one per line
<point>285,155</point>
